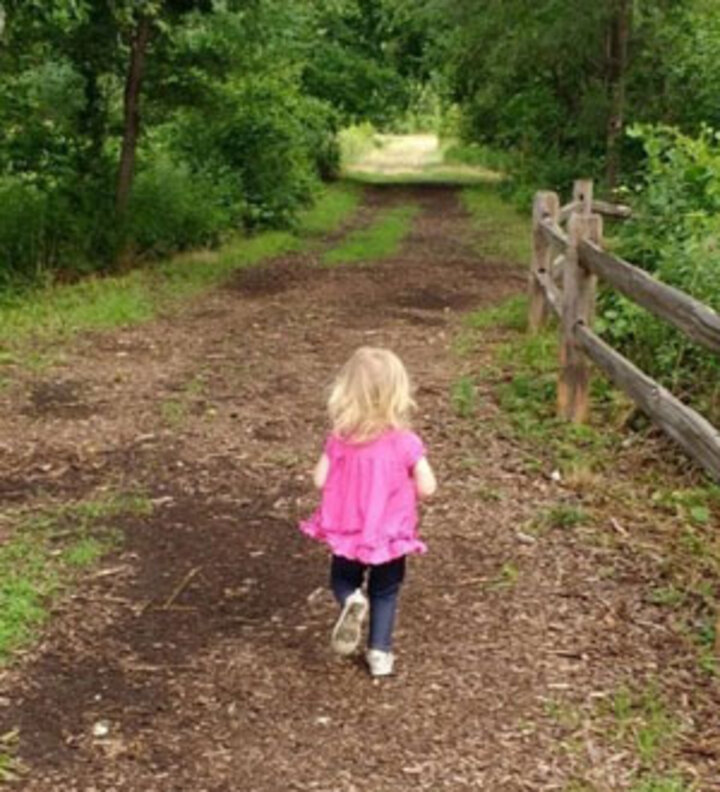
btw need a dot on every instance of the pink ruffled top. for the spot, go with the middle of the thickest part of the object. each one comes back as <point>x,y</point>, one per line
<point>369,502</point>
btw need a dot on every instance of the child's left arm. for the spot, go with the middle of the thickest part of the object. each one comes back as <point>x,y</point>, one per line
<point>321,471</point>
<point>416,459</point>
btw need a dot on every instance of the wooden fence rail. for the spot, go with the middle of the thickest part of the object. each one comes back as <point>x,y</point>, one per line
<point>581,262</point>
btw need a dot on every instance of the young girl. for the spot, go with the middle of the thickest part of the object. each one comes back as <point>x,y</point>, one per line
<point>371,473</point>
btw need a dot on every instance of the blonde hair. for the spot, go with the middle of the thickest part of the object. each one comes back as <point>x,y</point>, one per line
<point>371,394</point>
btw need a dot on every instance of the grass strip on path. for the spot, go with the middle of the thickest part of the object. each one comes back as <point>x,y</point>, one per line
<point>331,210</point>
<point>381,240</point>
<point>59,312</point>
<point>44,553</point>
<point>503,232</point>
<point>448,175</point>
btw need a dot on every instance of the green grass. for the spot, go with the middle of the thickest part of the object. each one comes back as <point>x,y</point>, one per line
<point>562,515</point>
<point>643,719</point>
<point>83,552</point>
<point>173,411</point>
<point>665,783</point>
<point>523,373</point>
<point>11,768</point>
<point>635,723</point>
<point>444,175</point>
<point>176,409</point>
<point>43,553</point>
<point>380,240</point>
<point>678,520</point>
<point>455,152</point>
<point>327,215</point>
<point>463,396</point>
<point>692,505</point>
<point>508,315</point>
<point>503,232</point>
<point>667,596</point>
<point>507,578</point>
<point>61,311</point>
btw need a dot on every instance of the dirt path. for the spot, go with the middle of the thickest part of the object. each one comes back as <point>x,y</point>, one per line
<point>418,157</point>
<point>233,688</point>
<point>402,154</point>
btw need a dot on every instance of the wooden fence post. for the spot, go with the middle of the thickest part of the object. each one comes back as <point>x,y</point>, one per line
<point>583,196</point>
<point>546,206</point>
<point>579,287</point>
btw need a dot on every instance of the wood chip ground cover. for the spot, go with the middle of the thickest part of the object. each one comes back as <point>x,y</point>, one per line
<point>196,656</point>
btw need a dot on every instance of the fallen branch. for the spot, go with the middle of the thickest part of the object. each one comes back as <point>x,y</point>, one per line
<point>182,585</point>
<point>103,573</point>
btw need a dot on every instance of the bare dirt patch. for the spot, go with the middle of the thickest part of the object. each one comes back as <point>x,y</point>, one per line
<point>434,299</point>
<point>270,280</point>
<point>60,398</point>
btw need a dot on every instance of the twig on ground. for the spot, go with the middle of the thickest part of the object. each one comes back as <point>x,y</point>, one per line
<point>180,588</point>
<point>103,573</point>
<point>616,525</point>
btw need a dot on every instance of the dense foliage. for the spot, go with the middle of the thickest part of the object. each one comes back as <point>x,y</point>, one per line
<point>135,127</point>
<point>625,91</point>
<point>675,234</point>
<point>556,86</point>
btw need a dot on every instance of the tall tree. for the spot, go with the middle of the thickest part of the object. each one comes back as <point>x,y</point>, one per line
<point>620,23</point>
<point>139,19</point>
<point>139,41</point>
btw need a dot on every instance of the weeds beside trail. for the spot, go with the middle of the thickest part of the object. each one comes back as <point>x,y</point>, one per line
<point>556,637</point>
<point>122,300</point>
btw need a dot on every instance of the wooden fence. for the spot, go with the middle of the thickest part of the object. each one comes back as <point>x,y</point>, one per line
<point>576,256</point>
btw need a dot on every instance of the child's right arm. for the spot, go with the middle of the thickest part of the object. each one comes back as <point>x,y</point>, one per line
<point>425,480</point>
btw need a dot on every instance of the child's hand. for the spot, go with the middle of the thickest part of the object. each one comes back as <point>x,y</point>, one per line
<point>425,480</point>
<point>321,471</point>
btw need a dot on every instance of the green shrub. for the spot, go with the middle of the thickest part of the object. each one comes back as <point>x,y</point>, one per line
<point>67,228</point>
<point>173,209</point>
<point>23,230</point>
<point>675,234</point>
<point>271,139</point>
<point>319,125</point>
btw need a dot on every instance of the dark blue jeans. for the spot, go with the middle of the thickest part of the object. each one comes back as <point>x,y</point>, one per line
<point>384,581</point>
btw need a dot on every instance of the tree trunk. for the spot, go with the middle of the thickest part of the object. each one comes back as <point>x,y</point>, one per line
<point>619,35</point>
<point>91,123</point>
<point>133,85</point>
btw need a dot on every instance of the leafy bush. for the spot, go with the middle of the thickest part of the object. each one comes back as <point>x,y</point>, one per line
<point>269,138</point>
<point>675,234</point>
<point>23,230</point>
<point>64,229</point>
<point>318,123</point>
<point>174,209</point>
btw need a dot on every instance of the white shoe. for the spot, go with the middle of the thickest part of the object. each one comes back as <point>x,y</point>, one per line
<point>347,632</point>
<point>380,663</point>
